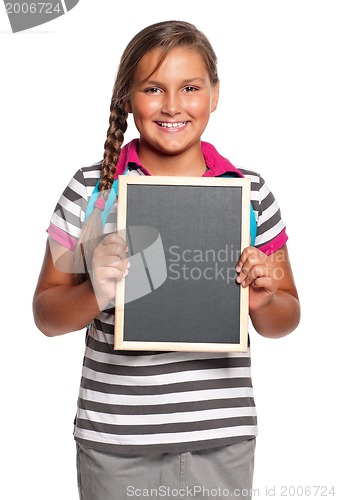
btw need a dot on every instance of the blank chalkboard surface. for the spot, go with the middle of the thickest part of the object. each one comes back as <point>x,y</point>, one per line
<point>185,236</point>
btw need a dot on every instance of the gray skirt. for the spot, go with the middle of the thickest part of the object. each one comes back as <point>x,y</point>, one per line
<point>219,473</point>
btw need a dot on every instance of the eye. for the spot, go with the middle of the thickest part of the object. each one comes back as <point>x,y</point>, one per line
<point>190,88</point>
<point>152,90</point>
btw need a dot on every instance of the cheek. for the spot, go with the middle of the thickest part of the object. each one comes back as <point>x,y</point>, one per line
<point>199,108</point>
<point>145,108</point>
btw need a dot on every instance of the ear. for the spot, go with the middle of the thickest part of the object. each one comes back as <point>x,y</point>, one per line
<point>215,96</point>
<point>128,107</point>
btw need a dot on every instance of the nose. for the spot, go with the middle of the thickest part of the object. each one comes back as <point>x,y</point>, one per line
<point>171,104</point>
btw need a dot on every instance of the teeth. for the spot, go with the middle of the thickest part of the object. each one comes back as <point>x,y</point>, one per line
<point>172,125</point>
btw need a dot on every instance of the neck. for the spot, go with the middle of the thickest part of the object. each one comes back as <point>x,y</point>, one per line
<point>189,163</point>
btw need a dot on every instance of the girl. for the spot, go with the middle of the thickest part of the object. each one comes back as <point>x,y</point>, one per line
<point>159,424</point>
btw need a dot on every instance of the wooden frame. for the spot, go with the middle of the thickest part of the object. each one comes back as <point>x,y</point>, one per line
<point>190,310</point>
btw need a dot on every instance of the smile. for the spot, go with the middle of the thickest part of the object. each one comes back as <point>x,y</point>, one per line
<point>174,125</point>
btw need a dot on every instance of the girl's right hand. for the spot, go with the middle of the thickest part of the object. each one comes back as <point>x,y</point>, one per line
<point>109,265</point>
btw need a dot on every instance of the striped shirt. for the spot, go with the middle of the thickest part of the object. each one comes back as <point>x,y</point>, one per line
<point>141,402</point>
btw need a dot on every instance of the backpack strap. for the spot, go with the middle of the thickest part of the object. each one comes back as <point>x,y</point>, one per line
<point>108,202</point>
<point>253,223</point>
<point>253,226</point>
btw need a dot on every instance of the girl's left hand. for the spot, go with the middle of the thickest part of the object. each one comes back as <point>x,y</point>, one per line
<point>257,270</point>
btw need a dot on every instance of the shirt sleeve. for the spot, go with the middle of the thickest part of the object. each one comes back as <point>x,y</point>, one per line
<point>68,217</point>
<point>271,230</point>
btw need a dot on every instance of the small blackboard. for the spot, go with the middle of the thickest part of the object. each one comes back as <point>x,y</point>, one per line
<point>185,236</point>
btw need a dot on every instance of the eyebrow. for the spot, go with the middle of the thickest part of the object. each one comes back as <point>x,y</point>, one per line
<point>196,79</point>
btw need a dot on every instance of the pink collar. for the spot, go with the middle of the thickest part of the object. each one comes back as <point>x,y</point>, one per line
<point>216,163</point>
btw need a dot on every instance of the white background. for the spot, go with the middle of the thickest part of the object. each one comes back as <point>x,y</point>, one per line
<point>277,115</point>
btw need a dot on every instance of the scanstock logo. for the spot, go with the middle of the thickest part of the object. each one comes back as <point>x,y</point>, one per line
<point>23,15</point>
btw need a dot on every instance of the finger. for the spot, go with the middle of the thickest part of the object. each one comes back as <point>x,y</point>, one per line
<point>108,260</point>
<point>112,248</point>
<point>254,273</point>
<point>114,270</point>
<point>267,283</point>
<point>114,239</point>
<point>245,270</point>
<point>111,238</point>
<point>249,253</point>
<point>242,277</point>
<point>250,257</point>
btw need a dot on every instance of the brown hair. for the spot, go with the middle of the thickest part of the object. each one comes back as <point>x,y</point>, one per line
<point>165,35</point>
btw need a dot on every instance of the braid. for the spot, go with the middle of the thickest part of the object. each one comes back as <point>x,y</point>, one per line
<point>92,229</point>
<point>113,145</point>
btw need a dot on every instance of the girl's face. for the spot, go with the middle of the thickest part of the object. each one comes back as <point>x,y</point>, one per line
<point>172,106</point>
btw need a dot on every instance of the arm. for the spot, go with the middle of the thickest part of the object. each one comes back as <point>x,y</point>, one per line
<point>61,304</point>
<point>273,301</point>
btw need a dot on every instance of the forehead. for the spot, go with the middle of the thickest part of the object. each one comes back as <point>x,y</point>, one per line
<point>177,62</point>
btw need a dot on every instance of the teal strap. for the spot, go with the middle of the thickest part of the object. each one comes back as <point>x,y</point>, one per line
<point>91,203</point>
<point>253,223</point>
<point>253,227</point>
<point>108,203</point>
